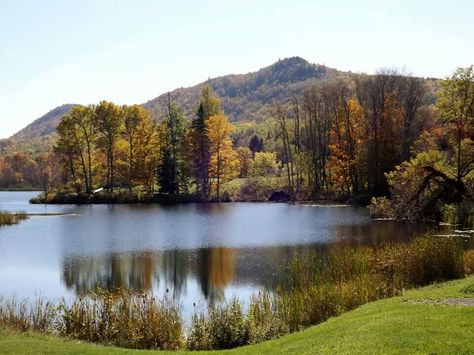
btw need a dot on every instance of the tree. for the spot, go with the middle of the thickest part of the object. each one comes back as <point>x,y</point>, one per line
<point>83,117</point>
<point>256,144</point>
<point>282,120</point>
<point>172,176</point>
<point>456,108</point>
<point>199,142</point>
<point>66,147</point>
<point>46,165</point>
<point>146,152</point>
<point>108,118</point>
<point>224,163</point>
<point>245,160</point>
<point>442,177</point>
<point>317,123</point>
<point>19,170</point>
<point>264,164</point>
<point>346,151</point>
<point>71,131</point>
<point>413,97</point>
<point>379,97</point>
<point>135,118</point>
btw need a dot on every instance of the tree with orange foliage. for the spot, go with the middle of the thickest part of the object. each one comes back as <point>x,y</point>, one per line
<point>345,147</point>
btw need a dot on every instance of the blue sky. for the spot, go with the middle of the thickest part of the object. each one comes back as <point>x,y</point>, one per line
<point>56,52</point>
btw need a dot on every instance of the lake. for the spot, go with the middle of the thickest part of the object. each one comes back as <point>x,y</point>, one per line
<point>194,253</point>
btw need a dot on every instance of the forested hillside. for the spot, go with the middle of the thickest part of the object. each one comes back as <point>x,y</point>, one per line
<point>37,137</point>
<point>249,96</point>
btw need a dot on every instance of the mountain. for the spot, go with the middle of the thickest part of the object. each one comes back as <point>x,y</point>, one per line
<point>45,125</point>
<point>248,96</point>
<point>243,96</point>
<point>38,136</point>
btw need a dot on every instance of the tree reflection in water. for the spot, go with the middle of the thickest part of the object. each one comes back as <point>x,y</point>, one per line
<point>213,269</point>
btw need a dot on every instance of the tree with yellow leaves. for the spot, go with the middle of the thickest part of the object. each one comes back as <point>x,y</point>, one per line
<point>224,162</point>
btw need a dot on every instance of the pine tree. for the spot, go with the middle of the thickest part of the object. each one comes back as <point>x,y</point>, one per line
<point>199,142</point>
<point>172,176</point>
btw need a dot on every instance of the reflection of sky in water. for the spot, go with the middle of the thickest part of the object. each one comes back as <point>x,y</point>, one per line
<point>199,253</point>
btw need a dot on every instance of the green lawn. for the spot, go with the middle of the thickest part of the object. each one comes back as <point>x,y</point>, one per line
<point>417,322</point>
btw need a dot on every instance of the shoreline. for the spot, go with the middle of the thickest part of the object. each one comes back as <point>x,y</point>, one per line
<point>175,200</point>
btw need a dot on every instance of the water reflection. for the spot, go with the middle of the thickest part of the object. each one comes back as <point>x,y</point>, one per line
<point>212,268</point>
<point>135,272</point>
<point>193,253</point>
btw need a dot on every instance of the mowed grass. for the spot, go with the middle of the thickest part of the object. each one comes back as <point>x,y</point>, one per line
<point>416,322</point>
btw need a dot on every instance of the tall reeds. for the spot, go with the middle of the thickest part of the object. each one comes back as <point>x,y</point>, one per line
<point>123,319</point>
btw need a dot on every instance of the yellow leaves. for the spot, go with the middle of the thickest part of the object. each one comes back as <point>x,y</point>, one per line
<point>264,164</point>
<point>224,163</point>
<point>219,128</point>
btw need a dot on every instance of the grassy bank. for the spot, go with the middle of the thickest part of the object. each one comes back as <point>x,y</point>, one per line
<point>420,321</point>
<point>8,218</point>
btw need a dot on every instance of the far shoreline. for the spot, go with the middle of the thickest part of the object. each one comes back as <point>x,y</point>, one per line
<point>164,199</point>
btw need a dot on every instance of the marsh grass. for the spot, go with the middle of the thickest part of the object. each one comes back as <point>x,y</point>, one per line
<point>469,261</point>
<point>8,218</point>
<point>25,316</point>
<point>123,319</point>
<point>323,285</point>
<point>231,325</point>
<point>315,287</point>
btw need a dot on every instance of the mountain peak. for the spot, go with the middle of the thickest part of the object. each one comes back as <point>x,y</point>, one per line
<point>293,61</point>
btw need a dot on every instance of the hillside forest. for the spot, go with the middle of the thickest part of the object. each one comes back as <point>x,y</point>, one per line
<point>386,139</point>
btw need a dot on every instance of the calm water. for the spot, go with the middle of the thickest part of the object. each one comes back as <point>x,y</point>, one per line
<point>196,253</point>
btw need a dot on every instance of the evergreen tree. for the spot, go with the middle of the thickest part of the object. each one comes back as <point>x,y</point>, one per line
<point>256,144</point>
<point>172,176</point>
<point>199,142</point>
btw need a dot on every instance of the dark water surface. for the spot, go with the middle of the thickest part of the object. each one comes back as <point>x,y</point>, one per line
<point>195,253</point>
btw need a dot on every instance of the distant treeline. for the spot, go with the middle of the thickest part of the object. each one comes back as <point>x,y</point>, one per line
<point>18,171</point>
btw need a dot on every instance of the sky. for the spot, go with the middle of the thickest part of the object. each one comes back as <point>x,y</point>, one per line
<point>55,52</point>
